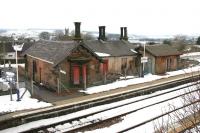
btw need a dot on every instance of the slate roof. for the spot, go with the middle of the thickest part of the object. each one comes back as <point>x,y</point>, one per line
<point>56,51</point>
<point>51,51</point>
<point>113,48</point>
<point>161,50</point>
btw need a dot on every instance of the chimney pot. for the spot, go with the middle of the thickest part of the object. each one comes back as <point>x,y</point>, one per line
<point>102,33</point>
<point>77,31</point>
<point>121,33</point>
<point>125,34</point>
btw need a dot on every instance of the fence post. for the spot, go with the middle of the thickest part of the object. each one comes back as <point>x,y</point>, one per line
<point>105,79</point>
<point>58,86</point>
<point>32,88</point>
<point>11,86</point>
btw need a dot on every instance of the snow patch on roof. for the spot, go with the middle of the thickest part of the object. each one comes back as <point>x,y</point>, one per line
<point>132,50</point>
<point>102,54</point>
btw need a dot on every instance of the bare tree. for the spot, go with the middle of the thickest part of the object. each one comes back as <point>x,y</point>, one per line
<point>59,35</point>
<point>184,119</point>
<point>179,42</point>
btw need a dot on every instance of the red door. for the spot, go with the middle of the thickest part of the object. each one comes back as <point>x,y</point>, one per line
<point>76,75</point>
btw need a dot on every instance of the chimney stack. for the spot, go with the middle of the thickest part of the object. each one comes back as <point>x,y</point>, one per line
<point>77,31</point>
<point>125,34</point>
<point>122,33</point>
<point>102,33</point>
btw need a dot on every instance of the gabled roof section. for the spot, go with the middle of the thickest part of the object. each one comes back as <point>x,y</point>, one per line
<point>161,50</point>
<point>54,51</point>
<point>112,48</point>
<point>50,51</point>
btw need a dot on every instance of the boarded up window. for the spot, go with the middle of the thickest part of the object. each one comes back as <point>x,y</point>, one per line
<point>76,74</point>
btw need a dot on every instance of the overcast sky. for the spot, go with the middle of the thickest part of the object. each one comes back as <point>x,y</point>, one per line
<point>148,17</point>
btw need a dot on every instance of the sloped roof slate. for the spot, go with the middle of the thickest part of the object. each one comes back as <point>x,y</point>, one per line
<point>162,50</point>
<point>113,48</point>
<point>56,51</point>
<point>51,51</point>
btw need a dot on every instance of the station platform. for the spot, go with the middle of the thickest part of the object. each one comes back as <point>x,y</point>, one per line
<point>74,95</point>
<point>77,97</point>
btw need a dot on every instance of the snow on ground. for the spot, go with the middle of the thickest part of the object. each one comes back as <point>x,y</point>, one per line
<point>4,82</point>
<point>10,74</point>
<point>12,65</point>
<point>4,85</point>
<point>146,78</point>
<point>102,54</point>
<point>127,121</point>
<point>190,54</point>
<point>127,77</point>
<point>121,83</point>
<point>26,102</point>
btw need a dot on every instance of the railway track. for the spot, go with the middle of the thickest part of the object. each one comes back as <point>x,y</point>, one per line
<point>91,123</point>
<point>157,117</point>
<point>54,112</point>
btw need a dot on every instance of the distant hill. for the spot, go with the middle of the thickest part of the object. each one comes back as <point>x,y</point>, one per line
<point>2,31</point>
<point>34,33</point>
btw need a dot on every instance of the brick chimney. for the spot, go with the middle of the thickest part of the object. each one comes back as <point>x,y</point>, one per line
<point>125,34</point>
<point>77,35</point>
<point>121,33</point>
<point>102,33</point>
